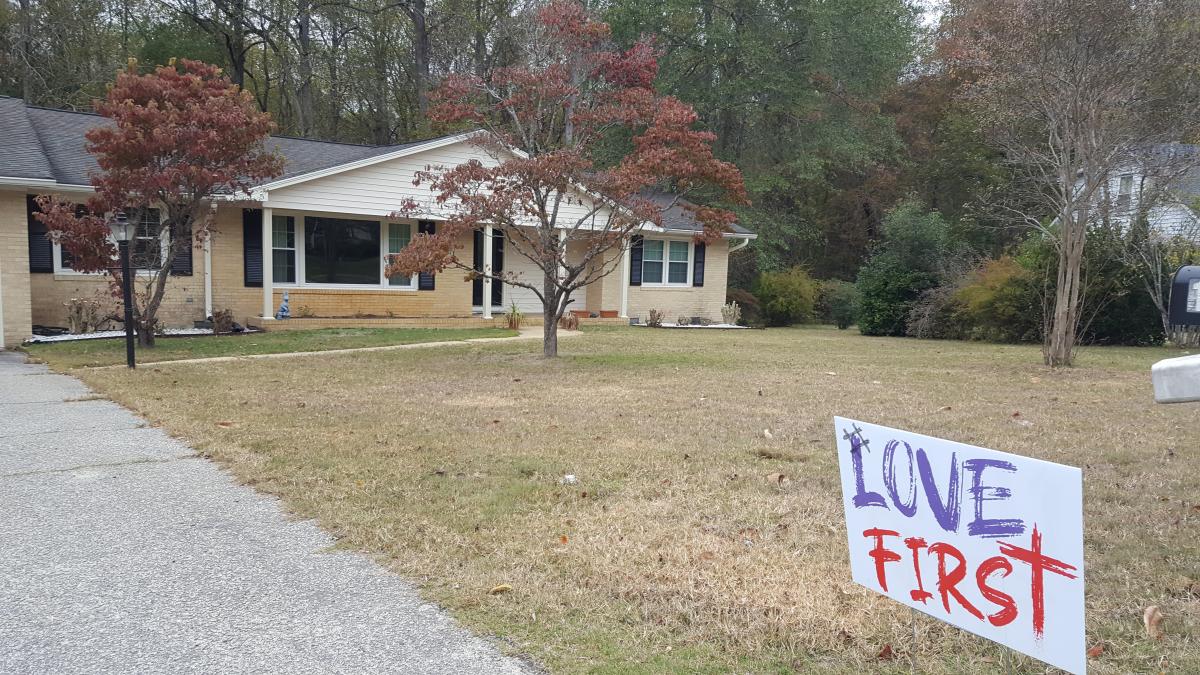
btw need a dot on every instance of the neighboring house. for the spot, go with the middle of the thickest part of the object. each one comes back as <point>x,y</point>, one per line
<point>1163,187</point>
<point>321,232</point>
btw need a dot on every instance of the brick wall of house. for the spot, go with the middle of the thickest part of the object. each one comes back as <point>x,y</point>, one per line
<point>228,269</point>
<point>688,301</point>
<point>451,295</point>
<point>14,270</point>
<point>183,300</point>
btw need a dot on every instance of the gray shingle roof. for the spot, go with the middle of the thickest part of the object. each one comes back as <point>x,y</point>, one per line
<point>43,143</point>
<point>21,153</point>
<point>676,217</point>
<point>46,143</point>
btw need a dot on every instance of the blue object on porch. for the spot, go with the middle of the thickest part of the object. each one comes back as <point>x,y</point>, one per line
<point>284,312</point>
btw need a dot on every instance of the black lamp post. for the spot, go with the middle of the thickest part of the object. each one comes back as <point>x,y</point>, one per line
<point>122,231</point>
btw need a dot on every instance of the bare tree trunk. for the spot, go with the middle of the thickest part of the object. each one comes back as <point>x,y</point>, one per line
<point>479,42</point>
<point>24,49</point>
<point>551,311</point>
<point>235,42</point>
<point>421,54</point>
<point>1060,346</point>
<point>305,116</point>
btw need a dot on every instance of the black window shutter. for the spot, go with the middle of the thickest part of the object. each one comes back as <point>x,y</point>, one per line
<point>635,261</point>
<point>425,279</point>
<point>497,267</point>
<point>698,266</point>
<point>252,254</point>
<point>41,250</point>
<point>181,266</point>
<point>477,263</point>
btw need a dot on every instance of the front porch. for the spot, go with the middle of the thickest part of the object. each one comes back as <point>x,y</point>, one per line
<point>332,266</point>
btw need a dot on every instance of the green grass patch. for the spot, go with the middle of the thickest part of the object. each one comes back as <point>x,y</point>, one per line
<point>107,352</point>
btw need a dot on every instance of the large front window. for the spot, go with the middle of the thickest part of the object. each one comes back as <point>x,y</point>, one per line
<point>341,251</point>
<point>662,257</point>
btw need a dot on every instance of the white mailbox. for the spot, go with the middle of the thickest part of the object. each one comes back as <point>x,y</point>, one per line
<point>1177,380</point>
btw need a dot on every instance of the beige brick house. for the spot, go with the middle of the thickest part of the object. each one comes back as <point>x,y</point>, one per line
<point>321,233</point>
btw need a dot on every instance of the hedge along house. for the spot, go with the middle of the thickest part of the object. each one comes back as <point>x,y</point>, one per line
<point>322,233</point>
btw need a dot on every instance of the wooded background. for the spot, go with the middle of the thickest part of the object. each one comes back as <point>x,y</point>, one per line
<point>821,104</point>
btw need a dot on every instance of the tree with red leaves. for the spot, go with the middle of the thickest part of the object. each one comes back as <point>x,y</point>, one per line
<point>547,124</point>
<point>178,137</point>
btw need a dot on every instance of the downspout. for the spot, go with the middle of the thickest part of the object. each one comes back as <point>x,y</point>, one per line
<point>745,241</point>
<point>208,291</point>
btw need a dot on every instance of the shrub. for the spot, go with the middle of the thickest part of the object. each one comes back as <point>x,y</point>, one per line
<point>1001,301</point>
<point>751,312</point>
<point>84,315</point>
<point>513,317</point>
<point>223,321</point>
<point>655,319</point>
<point>837,303</point>
<point>887,292</point>
<point>731,313</point>
<point>786,297</point>
<point>937,315</point>
<point>918,253</point>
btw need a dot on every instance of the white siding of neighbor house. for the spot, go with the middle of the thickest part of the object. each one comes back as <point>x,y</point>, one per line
<point>381,189</point>
<point>1170,218</point>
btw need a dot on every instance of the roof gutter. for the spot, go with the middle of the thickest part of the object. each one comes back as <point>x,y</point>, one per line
<point>40,183</point>
<point>743,243</point>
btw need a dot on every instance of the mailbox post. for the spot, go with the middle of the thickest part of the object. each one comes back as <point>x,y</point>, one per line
<point>1178,380</point>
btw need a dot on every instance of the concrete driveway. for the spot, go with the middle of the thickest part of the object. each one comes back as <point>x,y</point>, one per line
<point>125,552</point>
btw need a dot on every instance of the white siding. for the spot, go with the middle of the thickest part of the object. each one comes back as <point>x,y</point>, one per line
<point>529,272</point>
<point>1174,220</point>
<point>381,189</point>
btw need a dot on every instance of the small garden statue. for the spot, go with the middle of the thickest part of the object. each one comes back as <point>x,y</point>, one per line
<point>284,312</point>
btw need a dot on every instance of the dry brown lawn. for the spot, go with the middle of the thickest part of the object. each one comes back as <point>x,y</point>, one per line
<point>674,552</point>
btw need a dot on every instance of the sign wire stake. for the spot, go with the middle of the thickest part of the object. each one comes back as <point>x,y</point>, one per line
<point>912,653</point>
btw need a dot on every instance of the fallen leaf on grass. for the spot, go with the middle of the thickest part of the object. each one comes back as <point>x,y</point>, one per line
<point>562,539</point>
<point>1095,651</point>
<point>225,424</point>
<point>777,478</point>
<point>1152,618</point>
<point>502,588</point>
<point>886,654</point>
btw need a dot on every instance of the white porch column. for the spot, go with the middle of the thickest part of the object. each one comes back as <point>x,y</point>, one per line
<point>562,242</point>
<point>208,297</point>
<point>268,308</point>
<point>487,268</point>
<point>625,282</point>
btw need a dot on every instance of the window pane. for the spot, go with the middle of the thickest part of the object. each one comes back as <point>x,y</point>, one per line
<point>145,251</point>
<point>341,251</point>
<point>283,232</point>
<point>677,274</point>
<point>1126,184</point>
<point>652,250</point>
<point>652,272</point>
<point>679,250</point>
<point>283,266</point>
<point>399,235</point>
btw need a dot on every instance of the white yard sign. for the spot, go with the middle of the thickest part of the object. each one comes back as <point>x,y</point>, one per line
<point>984,540</point>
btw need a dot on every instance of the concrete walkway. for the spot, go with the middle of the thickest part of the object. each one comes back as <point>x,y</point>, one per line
<point>125,552</point>
<point>525,334</point>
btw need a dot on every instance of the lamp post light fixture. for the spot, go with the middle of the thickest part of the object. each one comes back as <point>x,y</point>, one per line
<point>123,231</point>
